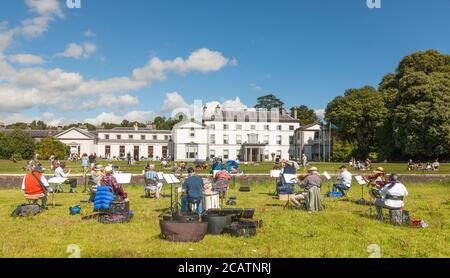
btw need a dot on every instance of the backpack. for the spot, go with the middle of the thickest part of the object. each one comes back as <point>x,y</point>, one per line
<point>335,194</point>
<point>26,210</point>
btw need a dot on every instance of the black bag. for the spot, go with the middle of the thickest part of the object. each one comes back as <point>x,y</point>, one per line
<point>241,229</point>
<point>119,207</point>
<point>114,218</point>
<point>26,210</point>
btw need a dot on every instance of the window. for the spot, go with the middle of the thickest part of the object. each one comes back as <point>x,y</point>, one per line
<point>253,138</point>
<point>212,126</point>
<point>122,151</point>
<point>279,140</point>
<point>238,139</point>
<point>192,133</point>
<point>226,154</point>
<point>266,139</point>
<point>150,151</point>
<point>291,140</point>
<point>266,127</point>
<point>155,137</point>
<point>166,137</point>
<point>266,154</point>
<point>213,138</point>
<point>291,127</point>
<point>107,136</point>
<point>278,127</point>
<point>164,151</point>
<point>108,151</point>
<point>238,127</point>
<point>191,151</point>
<point>235,118</point>
<point>279,153</point>
<point>225,139</point>
<point>225,127</point>
<point>130,136</point>
<point>212,154</point>
<point>118,137</point>
<point>253,127</point>
<point>142,137</point>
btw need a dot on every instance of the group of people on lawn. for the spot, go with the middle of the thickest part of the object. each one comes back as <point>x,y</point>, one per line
<point>419,166</point>
<point>391,192</point>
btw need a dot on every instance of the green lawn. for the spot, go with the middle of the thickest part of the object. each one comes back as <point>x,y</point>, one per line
<point>344,229</point>
<point>8,167</point>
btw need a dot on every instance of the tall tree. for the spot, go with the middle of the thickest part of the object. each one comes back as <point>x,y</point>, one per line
<point>49,146</point>
<point>268,102</point>
<point>305,115</point>
<point>358,115</point>
<point>418,99</point>
<point>38,125</point>
<point>17,142</point>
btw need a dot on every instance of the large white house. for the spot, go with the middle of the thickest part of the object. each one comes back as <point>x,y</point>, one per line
<point>248,135</point>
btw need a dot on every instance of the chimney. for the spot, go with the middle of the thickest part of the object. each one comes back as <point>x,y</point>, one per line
<point>295,113</point>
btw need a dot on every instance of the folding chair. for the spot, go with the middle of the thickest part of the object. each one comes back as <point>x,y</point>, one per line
<point>150,188</point>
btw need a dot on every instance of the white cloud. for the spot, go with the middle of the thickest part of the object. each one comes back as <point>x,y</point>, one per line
<point>117,102</point>
<point>46,10</point>
<point>78,51</point>
<point>320,113</point>
<point>26,59</point>
<point>89,33</point>
<point>111,117</point>
<point>174,103</point>
<point>6,38</point>
<point>45,7</point>
<point>202,60</point>
<point>256,87</point>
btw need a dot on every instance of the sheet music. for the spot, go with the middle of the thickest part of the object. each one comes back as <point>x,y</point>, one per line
<point>326,175</point>
<point>123,178</point>
<point>290,177</point>
<point>57,180</point>
<point>275,173</point>
<point>160,175</point>
<point>360,180</point>
<point>170,178</point>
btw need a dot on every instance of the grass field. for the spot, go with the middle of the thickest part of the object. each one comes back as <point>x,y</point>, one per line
<point>344,229</point>
<point>8,167</point>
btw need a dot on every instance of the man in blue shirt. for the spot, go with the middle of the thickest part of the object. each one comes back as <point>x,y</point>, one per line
<point>193,186</point>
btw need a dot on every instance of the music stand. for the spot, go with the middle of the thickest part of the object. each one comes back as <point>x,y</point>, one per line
<point>362,183</point>
<point>56,181</point>
<point>275,174</point>
<point>328,178</point>
<point>171,179</point>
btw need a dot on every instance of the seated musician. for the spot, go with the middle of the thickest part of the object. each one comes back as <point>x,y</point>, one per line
<point>391,196</point>
<point>108,179</point>
<point>378,177</point>
<point>60,173</point>
<point>193,187</point>
<point>344,181</point>
<point>35,186</point>
<point>311,194</point>
<point>221,180</point>
<point>152,182</point>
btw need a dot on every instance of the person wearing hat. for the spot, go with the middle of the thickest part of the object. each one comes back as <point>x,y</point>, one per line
<point>60,173</point>
<point>193,188</point>
<point>108,179</point>
<point>392,196</point>
<point>344,180</point>
<point>311,191</point>
<point>378,177</point>
<point>35,186</point>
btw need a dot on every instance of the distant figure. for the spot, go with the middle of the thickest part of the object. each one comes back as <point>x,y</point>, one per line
<point>428,167</point>
<point>129,158</point>
<point>85,162</point>
<point>411,165</point>
<point>304,161</point>
<point>436,165</point>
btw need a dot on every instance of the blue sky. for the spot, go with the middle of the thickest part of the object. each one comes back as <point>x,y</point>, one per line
<point>305,52</point>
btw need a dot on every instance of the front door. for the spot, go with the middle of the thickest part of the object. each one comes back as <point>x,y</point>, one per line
<point>255,155</point>
<point>136,153</point>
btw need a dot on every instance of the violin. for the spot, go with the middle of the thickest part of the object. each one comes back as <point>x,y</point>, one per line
<point>302,177</point>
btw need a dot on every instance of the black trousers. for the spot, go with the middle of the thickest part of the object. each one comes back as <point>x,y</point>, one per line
<point>72,182</point>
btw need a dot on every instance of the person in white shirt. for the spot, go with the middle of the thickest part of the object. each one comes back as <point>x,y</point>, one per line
<point>344,180</point>
<point>60,173</point>
<point>392,196</point>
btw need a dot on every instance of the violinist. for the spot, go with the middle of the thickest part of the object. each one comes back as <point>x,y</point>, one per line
<point>344,180</point>
<point>378,178</point>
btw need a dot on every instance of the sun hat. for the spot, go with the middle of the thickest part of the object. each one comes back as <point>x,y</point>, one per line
<point>379,170</point>
<point>313,169</point>
<point>98,167</point>
<point>38,168</point>
<point>108,169</point>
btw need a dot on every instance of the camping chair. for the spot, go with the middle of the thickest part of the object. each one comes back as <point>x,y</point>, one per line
<point>150,188</point>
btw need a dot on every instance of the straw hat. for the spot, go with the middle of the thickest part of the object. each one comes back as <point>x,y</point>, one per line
<point>313,169</point>
<point>379,170</point>
<point>108,169</point>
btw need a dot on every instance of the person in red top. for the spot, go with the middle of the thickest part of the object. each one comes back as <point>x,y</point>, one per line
<point>35,186</point>
<point>221,181</point>
<point>109,180</point>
